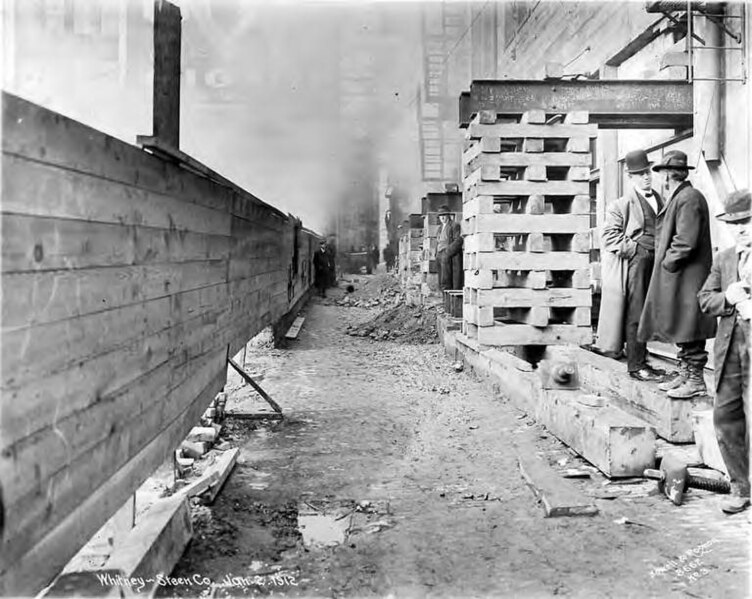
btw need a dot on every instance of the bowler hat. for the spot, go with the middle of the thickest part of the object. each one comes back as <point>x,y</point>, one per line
<point>737,207</point>
<point>444,210</point>
<point>637,162</point>
<point>673,159</point>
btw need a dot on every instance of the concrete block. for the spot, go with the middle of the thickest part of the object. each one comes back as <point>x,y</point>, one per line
<point>533,144</point>
<point>492,144</point>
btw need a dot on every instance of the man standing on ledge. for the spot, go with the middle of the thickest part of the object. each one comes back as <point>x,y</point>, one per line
<point>629,232</point>
<point>682,263</point>
<point>449,251</point>
<point>726,293</point>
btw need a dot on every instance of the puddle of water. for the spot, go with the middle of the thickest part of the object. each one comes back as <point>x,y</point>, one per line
<point>321,529</point>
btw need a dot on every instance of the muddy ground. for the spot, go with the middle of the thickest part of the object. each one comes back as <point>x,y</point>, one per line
<point>395,475</point>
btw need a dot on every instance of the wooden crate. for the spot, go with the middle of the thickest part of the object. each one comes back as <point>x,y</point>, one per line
<point>526,220</point>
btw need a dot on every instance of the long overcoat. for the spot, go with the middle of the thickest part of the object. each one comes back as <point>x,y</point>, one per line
<point>683,258</point>
<point>712,298</point>
<point>625,222</point>
<point>451,275</point>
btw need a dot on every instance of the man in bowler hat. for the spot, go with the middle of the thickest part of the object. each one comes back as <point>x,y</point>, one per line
<point>682,263</point>
<point>726,294</point>
<point>449,251</point>
<point>629,232</point>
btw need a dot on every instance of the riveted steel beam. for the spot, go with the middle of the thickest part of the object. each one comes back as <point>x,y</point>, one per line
<point>612,104</point>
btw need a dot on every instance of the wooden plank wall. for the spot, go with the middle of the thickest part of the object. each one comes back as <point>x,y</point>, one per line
<point>126,282</point>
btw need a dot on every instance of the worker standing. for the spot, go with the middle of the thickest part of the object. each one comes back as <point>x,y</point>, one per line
<point>322,268</point>
<point>682,263</point>
<point>629,234</point>
<point>449,251</point>
<point>726,294</point>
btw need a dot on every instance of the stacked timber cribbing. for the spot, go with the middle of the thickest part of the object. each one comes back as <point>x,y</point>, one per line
<point>526,210</point>
<point>411,250</point>
<point>430,206</point>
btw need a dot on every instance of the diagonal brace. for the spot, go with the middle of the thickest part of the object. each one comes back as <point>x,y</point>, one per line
<point>255,385</point>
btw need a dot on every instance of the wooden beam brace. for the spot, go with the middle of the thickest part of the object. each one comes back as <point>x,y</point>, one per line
<point>255,385</point>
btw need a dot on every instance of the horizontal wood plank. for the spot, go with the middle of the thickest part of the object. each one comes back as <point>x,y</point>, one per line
<point>524,334</point>
<point>532,261</point>
<point>529,223</point>
<point>526,188</point>
<point>520,130</point>
<point>31,244</point>
<point>477,159</point>
<point>516,298</point>
<point>28,187</point>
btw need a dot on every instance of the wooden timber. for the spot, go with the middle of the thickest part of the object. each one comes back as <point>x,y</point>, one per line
<point>128,280</point>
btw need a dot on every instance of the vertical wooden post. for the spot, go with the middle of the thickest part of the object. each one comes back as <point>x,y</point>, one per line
<point>608,142</point>
<point>167,30</point>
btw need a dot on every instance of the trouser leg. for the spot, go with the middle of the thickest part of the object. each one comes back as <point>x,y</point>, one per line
<point>441,269</point>
<point>694,354</point>
<point>730,413</point>
<point>639,271</point>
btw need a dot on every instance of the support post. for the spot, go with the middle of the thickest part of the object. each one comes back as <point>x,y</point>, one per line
<point>166,100</point>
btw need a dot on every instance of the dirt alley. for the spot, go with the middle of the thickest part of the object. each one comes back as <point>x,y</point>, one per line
<point>413,466</point>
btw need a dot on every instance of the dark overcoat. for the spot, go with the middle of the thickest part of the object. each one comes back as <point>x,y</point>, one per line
<point>683,257</point>
<point>451,275</point>
<point>712,299</point>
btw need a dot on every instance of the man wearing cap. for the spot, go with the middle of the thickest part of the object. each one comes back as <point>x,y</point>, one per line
<point>629,232</point>
<point>726,294</point>
<point>682,263</point>
<point>449,251</point>
<point>322,268</point>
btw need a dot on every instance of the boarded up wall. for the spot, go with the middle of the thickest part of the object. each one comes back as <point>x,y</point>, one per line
<point>126,281</point>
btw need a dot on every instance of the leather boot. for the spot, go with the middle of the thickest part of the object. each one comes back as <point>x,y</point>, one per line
<point>693,385</point>
<point>677,378</point>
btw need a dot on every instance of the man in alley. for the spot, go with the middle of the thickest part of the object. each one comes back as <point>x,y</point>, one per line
<point>629,233</point>
<point>726,294</point>
<point>449,251</point>
<point>682,263</point>
<point>322,267</point>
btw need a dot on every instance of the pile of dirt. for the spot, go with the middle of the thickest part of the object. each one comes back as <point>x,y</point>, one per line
<point>371,291</point>
<point>402,323</point>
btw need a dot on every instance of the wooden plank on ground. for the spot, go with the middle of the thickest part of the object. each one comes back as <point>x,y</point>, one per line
<point>558,496</point>
<point>156,543</point>
<point>616,443</point>
<point>672,418</point>
<point>222,467</point>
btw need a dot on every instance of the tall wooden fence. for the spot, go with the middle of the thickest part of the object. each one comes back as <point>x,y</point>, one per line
<point>126,283</point>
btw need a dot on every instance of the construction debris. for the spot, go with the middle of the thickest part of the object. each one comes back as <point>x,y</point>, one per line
<point>402,323</point>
